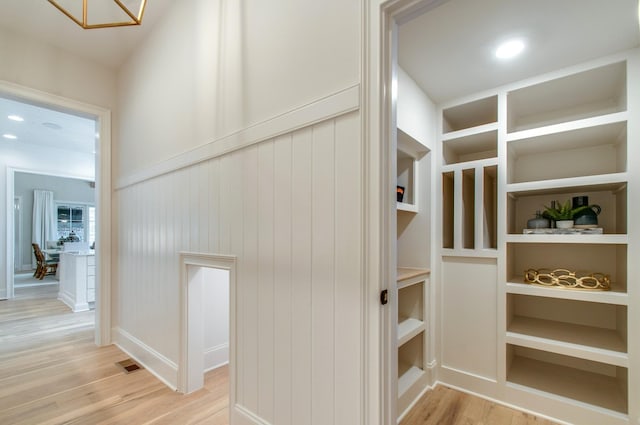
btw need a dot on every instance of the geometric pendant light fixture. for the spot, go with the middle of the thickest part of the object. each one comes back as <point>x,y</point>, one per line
<point>90,14</point>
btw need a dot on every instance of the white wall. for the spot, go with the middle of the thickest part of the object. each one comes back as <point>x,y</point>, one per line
<point>288,207</point>
<point>15,156</point>
<point>64,189</point>
<point>38,66</point>
<point>216,315</point>
<point>212,68</point>
<point>416,112</point>
<point>416,116</point>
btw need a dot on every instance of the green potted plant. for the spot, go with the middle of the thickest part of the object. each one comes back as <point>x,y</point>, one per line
<point>562,214</point>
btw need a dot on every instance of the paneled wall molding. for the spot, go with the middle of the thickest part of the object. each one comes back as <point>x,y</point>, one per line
<point>332,106</point>
<point>290,209</point>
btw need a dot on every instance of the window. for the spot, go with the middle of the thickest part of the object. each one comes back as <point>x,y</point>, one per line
<point>77,218</point>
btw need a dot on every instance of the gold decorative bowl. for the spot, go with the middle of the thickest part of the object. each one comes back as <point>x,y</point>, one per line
<point>563,278</point>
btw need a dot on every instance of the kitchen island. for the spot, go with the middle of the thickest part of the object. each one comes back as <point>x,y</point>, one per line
<point>77,279</point>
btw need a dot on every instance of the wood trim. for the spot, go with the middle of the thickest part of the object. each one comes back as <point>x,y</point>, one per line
<point>332,106</point>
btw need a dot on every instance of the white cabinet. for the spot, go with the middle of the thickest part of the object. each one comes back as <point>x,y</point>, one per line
<point>77,280</point>
<point>569,354</point>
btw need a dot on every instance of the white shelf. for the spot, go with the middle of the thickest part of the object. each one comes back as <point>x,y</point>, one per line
<point>470,145</point>
<point>586,342</point>
<point>402,206</point>
<point>567,150</point>
<point>612,182</point>
<point>411,146</point>
<point>471,114</point>
<point>409,378</point>
<point>565,99</point>
<point>607,297</point>
<point>589,123</point>
<point>408,328</point>
<point>573,239</point>
<point>470,132</point>
<point>406,276</point>
<point>572,384</point>
<point>477,163</point>
<point>481,253</point>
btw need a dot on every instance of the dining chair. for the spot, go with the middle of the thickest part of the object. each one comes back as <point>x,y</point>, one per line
<point>43,267</point>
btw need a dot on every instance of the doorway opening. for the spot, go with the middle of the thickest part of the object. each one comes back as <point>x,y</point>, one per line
<point>19,158</point>
<point>207,334</point>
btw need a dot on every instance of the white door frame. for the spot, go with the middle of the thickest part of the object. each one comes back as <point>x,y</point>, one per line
<point>17,238</point>
<point>379,131</point>
<point>190,364</point>
<point>103,198</point>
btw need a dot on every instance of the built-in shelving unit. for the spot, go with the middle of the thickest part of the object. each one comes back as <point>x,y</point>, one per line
<point>563,141</point>
<point>469,143</point>
<point>413,258</point>
<point>508,155</point>
<point>412,332</point>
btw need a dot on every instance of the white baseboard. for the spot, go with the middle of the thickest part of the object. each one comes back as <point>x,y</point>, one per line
<point>215,357</point>
<point>160,366</point>
<point>68,300</point>
<point>242,416</point>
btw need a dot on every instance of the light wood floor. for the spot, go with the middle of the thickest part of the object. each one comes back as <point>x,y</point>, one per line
<point>445,406</point>
<point>51,372</point>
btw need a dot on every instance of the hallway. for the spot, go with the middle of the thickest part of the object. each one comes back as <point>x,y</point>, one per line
<point>51,372</point>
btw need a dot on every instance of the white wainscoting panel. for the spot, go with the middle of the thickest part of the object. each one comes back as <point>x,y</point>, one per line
<point>469,316</point>
<point>290,209</point>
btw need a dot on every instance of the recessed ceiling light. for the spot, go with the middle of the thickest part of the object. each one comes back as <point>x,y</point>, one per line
<point>10,136</point>
<point>15,118</point>
<point>510,49</point>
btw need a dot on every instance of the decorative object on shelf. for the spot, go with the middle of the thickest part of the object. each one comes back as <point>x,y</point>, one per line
<point>399,193</point>
<point>571,231</point>
<point>564,224</point>
<point>539,222</point>
<point>563,214</point>
<point>588,217</point>
<point>563,278</point>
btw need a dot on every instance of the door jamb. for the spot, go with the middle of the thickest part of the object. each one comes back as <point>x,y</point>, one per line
<point>222,262</point>
<point>379,129</point>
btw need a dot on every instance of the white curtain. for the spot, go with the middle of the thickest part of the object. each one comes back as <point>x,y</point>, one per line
<point>44,218</point>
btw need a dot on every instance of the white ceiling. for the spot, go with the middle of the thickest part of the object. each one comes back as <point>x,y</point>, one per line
<point>46,128</point>
<point>448,51</point>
